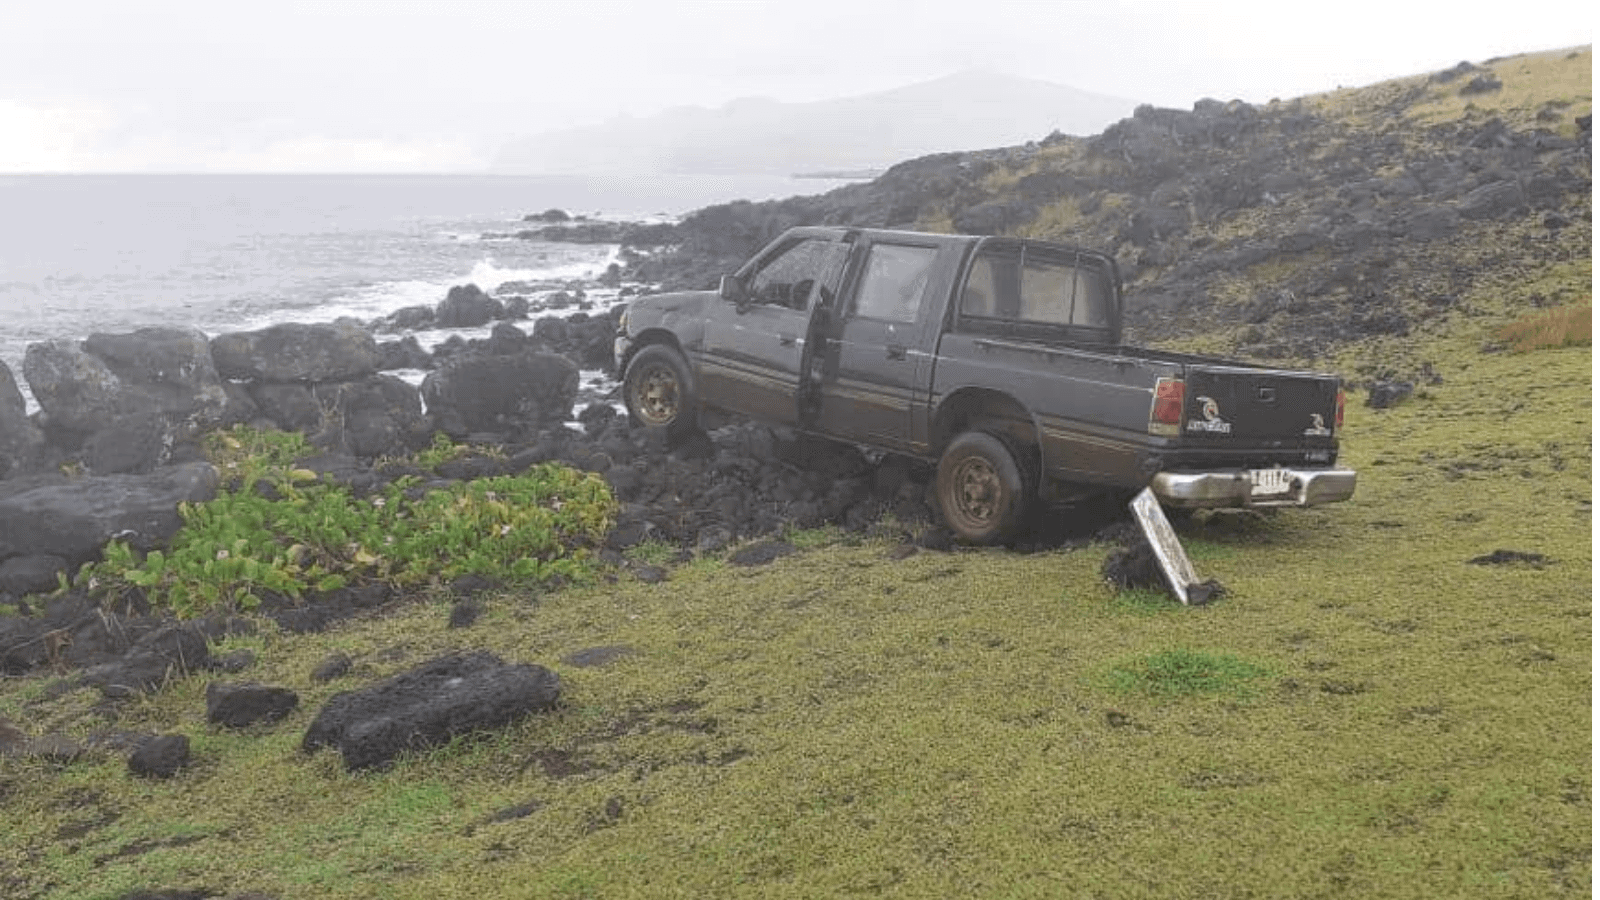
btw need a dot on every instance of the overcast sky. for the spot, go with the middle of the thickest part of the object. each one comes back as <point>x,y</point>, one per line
<point>213,85</point>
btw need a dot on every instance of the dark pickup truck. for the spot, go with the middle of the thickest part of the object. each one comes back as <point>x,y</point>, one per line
<point>1000,359</point>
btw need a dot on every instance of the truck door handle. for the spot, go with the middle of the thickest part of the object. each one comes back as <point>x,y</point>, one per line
<point>895,351</point>
<point>786,340</point>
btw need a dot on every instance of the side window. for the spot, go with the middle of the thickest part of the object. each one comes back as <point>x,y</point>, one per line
<point>790,278</point>
<point>893,282</point>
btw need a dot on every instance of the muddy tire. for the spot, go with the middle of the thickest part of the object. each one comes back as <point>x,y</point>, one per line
<point>659,391</point>
<point>981,489</point>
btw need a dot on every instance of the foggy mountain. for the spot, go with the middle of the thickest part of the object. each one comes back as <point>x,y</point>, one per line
<point>966,111</point>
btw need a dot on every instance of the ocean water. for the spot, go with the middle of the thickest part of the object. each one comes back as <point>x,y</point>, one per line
<point>112,253</point>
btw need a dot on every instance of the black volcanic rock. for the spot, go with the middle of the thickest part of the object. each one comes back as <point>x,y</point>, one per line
<point>22,444</point>
<point>74,518</point>
<point>162,756</point>
<point>494,393</point>
<point>428,706</point>
<point>296,352</point>
<point>81,384</point>
<point>467,306</point>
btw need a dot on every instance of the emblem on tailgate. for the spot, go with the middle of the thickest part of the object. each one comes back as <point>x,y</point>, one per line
<point>1210,418</point>
<point>1318,428</point>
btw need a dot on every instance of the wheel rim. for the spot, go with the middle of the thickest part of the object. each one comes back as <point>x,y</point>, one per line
<point>655,395</point>
<point>976,493</point>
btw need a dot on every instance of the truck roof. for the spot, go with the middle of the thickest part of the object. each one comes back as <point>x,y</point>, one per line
<point>836,232</point>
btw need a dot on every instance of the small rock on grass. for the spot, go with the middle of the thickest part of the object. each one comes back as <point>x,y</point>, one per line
<point>241,705</point>
<point>464,613</point>
<point>761,553</point>
<point>1509,557</point>
<point>160,757</point>
<point>330,668</point>
<point>429,705</point>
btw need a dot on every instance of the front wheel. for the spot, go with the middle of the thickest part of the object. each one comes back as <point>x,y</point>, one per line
<point>981,489</point>
<point>659,392</point>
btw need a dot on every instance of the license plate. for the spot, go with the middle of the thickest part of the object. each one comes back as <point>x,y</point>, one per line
<point>1269,481</point>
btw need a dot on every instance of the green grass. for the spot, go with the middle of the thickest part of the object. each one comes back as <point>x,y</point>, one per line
<point>1365,714</point>
<point>1184,672</point>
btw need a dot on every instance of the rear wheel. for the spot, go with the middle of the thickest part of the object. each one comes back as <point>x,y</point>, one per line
<point>981,489</point>
<point>658,390</point>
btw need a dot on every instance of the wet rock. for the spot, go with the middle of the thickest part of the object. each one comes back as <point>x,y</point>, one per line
<point>467,306</point>
<point>506,339</point>
<point>377,415</point>
<point>36,573</point>
<point>73,519</point>
<point>406,353</point>
<point>409,318</point>
<point>290,406</point>
<point>80,385</point>
<point>22,444</point>
<point>492,393</point>
<point>242,705</point>
<point>428,706</point>
<point>134,444</point>
<point>295,352</point>
<point>160,757</point>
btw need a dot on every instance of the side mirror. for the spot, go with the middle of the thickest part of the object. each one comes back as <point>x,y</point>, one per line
<point>733,290</point>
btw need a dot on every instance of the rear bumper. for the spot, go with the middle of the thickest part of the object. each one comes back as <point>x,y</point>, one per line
<point>1236,488</point>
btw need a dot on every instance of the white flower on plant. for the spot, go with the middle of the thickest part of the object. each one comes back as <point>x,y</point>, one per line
<point>222,554</point>
<point>505,530</point>
<point>378,502</point>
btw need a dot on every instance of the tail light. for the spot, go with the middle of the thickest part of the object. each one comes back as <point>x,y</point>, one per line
<point>1338,413</point>
<point>1166,409</point>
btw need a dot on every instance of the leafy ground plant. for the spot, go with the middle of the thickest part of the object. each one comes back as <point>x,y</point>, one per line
<point>285,531</point>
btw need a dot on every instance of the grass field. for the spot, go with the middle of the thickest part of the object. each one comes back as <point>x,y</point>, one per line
<point>1381,707</point>
<point>1367,714</point>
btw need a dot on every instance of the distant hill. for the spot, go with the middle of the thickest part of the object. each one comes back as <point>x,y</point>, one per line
<point>966,111</point>
<point>1282,230</point>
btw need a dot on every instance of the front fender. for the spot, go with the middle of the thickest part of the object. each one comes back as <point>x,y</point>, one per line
<point>678,318</point>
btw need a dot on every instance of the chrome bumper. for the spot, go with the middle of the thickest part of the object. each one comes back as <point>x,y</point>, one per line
<point>1306,487</point>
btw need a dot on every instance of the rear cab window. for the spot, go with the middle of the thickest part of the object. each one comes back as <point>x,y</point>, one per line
<point>1028,290</point>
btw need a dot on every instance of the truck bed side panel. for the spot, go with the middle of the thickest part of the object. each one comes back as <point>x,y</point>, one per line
<point>1092,409</point>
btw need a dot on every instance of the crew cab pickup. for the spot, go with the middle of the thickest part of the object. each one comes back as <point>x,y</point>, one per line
<point>999,359</point>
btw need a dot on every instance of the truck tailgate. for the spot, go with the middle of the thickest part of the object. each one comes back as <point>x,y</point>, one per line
<point>1229,406</point>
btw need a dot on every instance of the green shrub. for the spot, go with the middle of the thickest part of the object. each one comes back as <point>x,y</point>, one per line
<point>314,535</point>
